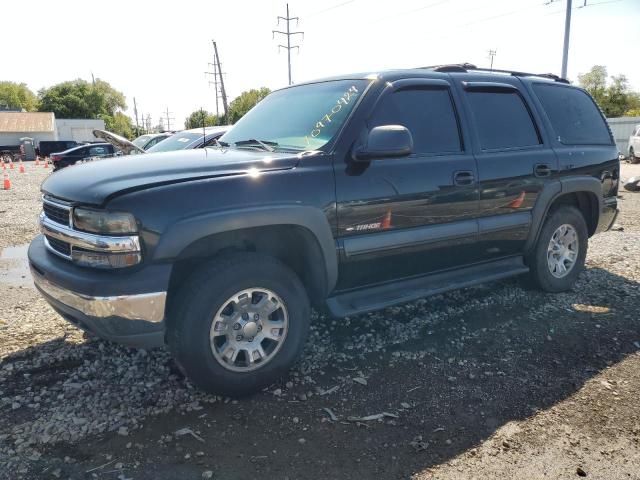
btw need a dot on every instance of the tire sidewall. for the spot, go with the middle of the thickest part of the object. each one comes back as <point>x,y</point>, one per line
<point>561,216</point>
<point>191,345</point>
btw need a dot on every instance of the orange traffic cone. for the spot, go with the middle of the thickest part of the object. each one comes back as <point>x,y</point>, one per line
<point>11,164</point>
<point>46,164</point>
<point>37,161</point>
<point>21,168</point>
<point>7,183</point>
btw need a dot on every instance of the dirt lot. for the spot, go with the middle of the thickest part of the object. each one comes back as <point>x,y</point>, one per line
<point>491,382</point>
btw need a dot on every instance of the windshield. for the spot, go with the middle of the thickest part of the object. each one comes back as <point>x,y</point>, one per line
<point>141,141</point>
<point>305,117</point>
<point>179,141</point>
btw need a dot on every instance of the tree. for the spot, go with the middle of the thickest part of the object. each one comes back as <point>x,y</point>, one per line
<point>616,98</point>
<point>18,96</point>
<point>245,102</point>
<point>195,120</point>
<point>119,123</point>
<point>81,99</point>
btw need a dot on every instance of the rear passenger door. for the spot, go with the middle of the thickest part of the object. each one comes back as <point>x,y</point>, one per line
<point>399,217</point>
<point>514,162</point>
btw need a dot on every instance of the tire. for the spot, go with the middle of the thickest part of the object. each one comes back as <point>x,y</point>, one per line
<point>196,314</point>
<point>632,156</point>
<point>541,274</point>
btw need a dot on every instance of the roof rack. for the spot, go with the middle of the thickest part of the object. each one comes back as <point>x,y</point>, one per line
<point>466,67</point>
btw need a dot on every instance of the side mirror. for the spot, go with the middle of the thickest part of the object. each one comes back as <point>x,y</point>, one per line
<point>385,141</point>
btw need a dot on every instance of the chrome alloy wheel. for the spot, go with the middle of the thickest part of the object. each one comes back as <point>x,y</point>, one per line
<point>562,252</point>
<point>249,329</point>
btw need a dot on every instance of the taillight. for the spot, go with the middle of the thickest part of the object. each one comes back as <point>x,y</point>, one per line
<point>55,158</point>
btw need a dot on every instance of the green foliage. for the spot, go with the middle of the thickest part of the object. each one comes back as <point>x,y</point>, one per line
<point>119,123</point>
<point>245,102</point>
<point>18,95</point>
<point>614,98</point>
<point>81,99</point>
<point>196,119</point>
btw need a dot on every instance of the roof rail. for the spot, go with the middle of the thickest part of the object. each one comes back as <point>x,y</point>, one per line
<point>466,67</point>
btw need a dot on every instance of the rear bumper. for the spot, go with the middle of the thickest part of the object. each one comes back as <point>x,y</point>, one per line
<point>124,307</point>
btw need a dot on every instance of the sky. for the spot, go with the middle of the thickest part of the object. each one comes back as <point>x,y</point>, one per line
<point>157,51</point>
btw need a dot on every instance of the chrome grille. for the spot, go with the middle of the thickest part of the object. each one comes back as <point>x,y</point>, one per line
<point>59,246</point>
<point>58,214</point>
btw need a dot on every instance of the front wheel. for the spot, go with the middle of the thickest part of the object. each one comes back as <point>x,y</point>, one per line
<point>632,156</point>
<point>560,252</point>
<point>239,323</point>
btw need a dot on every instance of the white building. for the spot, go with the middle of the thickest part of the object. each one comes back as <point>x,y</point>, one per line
<point>44,126</point>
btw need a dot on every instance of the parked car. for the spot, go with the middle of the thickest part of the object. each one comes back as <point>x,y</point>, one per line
<point>185,140</point>
<point>150,139</point>
<point>46,147</point>
<point>190,139</point>
<point>634,146</point>
<point>81,153</point>
<point>350,194</point>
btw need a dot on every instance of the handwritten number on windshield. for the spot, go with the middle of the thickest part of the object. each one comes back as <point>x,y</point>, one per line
<point>344,100</point>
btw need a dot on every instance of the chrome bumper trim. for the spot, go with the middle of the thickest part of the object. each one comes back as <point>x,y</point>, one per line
<point>144,306</point>
<point>89,241</point>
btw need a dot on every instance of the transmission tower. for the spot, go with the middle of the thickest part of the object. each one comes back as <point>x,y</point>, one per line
<point>288,34</point>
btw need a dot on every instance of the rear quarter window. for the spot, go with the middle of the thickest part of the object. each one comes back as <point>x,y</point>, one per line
<point>573,114</point>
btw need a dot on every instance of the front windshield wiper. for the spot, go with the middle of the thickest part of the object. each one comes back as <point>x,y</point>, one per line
<point>221,144</point>
<point>265,144</point>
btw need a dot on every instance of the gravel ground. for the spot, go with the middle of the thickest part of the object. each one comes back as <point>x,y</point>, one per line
<point>497,381</point>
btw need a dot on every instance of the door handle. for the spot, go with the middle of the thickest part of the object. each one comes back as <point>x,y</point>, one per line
<point>542,170</point>
<point>463,178</point>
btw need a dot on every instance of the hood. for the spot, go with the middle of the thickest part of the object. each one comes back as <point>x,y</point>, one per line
<point>117,141</point>
<point>94,182</point>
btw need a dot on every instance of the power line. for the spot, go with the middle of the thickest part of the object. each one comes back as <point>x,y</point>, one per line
<point>288,34</point>
<point>329,8</point>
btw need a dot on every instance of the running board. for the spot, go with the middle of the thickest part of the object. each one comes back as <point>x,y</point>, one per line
<point>388,294</point>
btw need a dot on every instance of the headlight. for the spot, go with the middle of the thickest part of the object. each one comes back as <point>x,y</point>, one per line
<point>97,221</point>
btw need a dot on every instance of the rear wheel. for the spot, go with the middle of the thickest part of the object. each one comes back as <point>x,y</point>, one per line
<point>239,323</point>
<point>561,250</point>
<point>632,156</point>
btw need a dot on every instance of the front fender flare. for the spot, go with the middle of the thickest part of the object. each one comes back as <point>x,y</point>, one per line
<point>183,233</point>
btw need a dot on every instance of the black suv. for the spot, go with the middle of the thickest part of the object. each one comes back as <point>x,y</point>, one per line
<point>349,194</point>
<point>83,152</point>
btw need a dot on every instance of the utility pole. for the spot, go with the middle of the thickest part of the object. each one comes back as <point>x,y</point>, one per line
<point>288,34</point>
<point>168,119</point>
<point>567,28</point>
<point>135,111</point>
<point>215,82</point>
<point>222,90</point>
<point>492,53</point>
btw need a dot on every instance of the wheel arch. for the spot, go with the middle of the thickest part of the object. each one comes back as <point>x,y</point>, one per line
<point>582,192</point>
<point>299,236</point>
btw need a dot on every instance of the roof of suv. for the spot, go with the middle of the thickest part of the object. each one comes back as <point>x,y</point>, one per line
<point>464,70</point>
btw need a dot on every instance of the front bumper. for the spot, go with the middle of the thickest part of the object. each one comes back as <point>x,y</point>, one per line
<point>124,307</point>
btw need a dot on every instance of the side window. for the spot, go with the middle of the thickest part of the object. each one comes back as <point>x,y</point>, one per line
<point>502,120</point>
<point>97,151</point>
<point>574,116</point>
<point>427,113</point>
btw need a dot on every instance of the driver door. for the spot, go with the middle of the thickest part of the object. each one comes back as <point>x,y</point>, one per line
<point>406,216</point>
